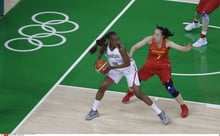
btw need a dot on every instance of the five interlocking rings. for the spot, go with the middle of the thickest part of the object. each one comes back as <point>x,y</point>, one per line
<point>47,26</point>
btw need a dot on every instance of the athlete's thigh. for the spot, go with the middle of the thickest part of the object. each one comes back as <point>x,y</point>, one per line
<point>145,72</point>
<point>115,75</point>
<point>131,75</point>
<point>211,6</point>
<point>201,5</point>
<point>165,74</point>
<point>107,82</point>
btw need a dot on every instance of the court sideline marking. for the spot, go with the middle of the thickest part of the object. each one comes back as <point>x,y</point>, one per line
<point>185,1</point>
<point>198,74</point>
<point>211,26</point>
<point>74,64</point>
<point>208,105</point>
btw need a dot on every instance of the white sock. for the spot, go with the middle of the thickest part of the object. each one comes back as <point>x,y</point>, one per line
<point>95,105</point>
<point>155,108</point>
<point>204,32</point>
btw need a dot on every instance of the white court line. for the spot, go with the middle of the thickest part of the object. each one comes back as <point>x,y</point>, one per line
<point>208,105</point>
<point>74,65</point>
<point>184,1</point>
<point>199,74</point>
<point>211,26</point>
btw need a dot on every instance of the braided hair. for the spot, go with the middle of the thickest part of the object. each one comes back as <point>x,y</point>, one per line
<point>165,31</point>
<point>102,41</point>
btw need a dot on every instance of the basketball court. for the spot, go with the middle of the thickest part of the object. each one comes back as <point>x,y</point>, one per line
<point>48,82</point>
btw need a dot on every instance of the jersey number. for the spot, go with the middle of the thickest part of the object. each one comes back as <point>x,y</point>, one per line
<point>115,63</point>
<point>158,57</point>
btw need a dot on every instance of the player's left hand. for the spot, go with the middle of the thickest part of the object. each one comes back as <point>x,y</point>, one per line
<point>188,47</point>
<point>108,69</point>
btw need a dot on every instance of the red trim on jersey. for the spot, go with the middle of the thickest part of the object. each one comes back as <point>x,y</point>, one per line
<point>135,76</point>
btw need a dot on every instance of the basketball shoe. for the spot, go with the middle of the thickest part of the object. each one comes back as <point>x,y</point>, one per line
<point>191,26</point>
<point>201,42</point>
<point>164,118</point>
<point>92,114</point>
<point>185,110</point>
<point>127,97</point>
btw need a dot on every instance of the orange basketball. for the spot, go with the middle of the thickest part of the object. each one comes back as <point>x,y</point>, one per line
<point>101,66</point>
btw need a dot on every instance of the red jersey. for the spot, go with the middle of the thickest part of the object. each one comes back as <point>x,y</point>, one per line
<point>158,63</point>
<point>158,56</point>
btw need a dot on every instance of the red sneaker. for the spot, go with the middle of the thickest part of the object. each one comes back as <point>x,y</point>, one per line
<point>127,97</point>
<point>185,110</point>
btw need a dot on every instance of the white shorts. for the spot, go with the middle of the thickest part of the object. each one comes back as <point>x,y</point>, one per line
<point>129,72</point>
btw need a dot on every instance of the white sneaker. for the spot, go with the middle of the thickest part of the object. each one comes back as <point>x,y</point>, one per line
<point>191,26</point>
<point>201,42</point>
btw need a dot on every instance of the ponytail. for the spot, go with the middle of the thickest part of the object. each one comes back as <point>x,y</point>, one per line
<point>101,42</point>
<point>165,31</point>
<point>93,49</point>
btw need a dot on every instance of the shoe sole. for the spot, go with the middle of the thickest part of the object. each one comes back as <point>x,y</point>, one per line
<point>165,123</point>
<point>125,102</point>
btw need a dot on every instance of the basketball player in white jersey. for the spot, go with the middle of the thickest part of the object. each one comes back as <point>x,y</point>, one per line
<point>120,65</point>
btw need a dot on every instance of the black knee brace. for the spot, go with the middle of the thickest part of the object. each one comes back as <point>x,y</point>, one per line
<point>170,88</point>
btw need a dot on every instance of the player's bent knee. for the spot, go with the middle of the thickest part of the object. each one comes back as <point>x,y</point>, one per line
<point>170,88</point>
<point>205,17</point>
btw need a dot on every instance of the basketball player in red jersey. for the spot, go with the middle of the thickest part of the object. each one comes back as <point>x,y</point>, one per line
<point>204,8</point>
<point>158,63</point>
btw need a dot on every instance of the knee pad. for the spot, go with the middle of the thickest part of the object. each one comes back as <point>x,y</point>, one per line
<point>170,88</point>
<point>205,18</point>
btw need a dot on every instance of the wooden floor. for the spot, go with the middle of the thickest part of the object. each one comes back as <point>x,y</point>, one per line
<point>65,109</point>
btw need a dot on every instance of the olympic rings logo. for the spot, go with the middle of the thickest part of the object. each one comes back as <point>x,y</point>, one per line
<point>47,27</point>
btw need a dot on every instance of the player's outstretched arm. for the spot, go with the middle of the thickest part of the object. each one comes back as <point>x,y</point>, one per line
<point>140,44</point>
<point>185,48</point>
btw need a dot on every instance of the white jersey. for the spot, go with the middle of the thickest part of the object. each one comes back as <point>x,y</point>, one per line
<point>130,72</point>
<point>114,57</point>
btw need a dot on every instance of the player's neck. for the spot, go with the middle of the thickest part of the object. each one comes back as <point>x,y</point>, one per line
<point>112,47</point>
<point>159,44</point>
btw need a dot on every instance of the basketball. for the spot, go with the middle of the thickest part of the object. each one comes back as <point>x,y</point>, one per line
<point>101,66</point>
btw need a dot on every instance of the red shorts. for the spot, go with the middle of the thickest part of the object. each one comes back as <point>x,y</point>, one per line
<point>207,5</point>
<point>162,71</point>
